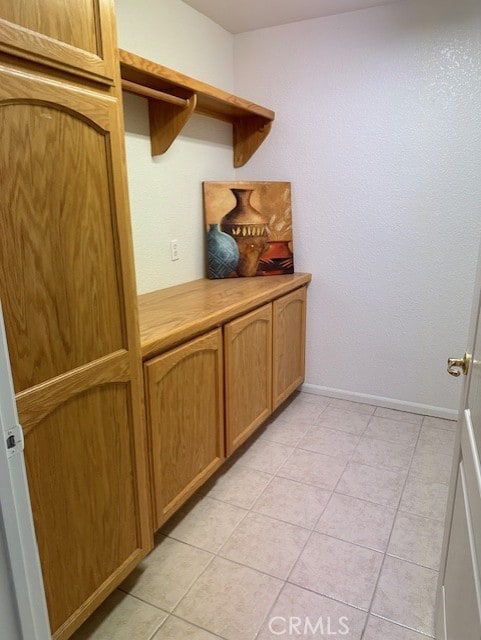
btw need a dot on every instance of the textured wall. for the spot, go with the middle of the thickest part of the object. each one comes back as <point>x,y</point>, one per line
<point>165,191</point>
<point>378,117</point>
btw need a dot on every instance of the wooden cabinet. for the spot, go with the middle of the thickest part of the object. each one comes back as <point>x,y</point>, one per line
<point>264,354</point>
<point>68,297</point>
<point>288,344</point>
<point>260,326</point>
<point>248,375</point>
<point>72,36</point>
<point>184,390</point>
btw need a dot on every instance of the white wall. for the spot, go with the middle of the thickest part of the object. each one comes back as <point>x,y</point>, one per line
<point>165,191</point>
<point>378,115</point>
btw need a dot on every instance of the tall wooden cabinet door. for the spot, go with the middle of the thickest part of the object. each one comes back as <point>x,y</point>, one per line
<point>73,35</point>
<point>186,419</point>
<point>289,338</point>
<point>67,290</point>
<point>248,375</point>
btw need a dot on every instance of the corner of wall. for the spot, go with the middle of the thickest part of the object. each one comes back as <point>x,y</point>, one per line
<point>166,191</point>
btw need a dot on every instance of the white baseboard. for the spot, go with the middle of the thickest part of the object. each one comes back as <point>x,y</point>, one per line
<point>388,403</point>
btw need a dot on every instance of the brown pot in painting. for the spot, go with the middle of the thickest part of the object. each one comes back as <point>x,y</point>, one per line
<point>277,259</point>
<point>249,229</point>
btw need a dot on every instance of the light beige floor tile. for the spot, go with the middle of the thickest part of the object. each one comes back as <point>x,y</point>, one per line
<point>312,468</point>
<point>265,544</point>
<point>382,486</point>
<point>402,416</point>
<point>347,405</point>
<point>166,574</point>
<point>322,401</point>
<point>404,433</point>
<point>237,485</point>
<point>177,629</point>
<point>343,420</point>
<point>434,467</point>
<point>292,502</point>
<point>338,444</point>
<point>264,455</point>
<point>230,600</point>
<point>300,411</point>
<point>121,617</point>
<point>304,614</point>
<point>440,423</point>
<point>338,569</point>
<point>357,521</point>
<point>436,440</point>
<point>406,593</point>
<point>424,498</point>
<point>379,629</point>
<point>417,539</point>
<point>379,453</point>
<point>206,525</point>
<point>287,432</point>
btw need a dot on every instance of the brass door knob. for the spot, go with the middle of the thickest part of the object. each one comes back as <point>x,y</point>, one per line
<point>456,366</point>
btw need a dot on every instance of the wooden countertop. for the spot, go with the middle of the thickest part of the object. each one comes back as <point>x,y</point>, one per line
<point>170,316</point>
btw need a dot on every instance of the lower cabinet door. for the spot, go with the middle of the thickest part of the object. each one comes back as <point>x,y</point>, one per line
<point>289,337</point>
<point>248,375</point>
<point>185,415</point>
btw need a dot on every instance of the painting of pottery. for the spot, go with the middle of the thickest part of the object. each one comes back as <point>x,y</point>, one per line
<point>249,228</point>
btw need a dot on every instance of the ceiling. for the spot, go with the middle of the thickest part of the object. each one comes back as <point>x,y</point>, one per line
<point>237,16</point>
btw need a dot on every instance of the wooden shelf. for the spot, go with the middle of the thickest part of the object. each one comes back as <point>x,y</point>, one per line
<point>173,97</point>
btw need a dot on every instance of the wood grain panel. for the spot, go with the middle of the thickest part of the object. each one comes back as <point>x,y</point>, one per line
<point>289,337</point>
<point>68,291</point>
<point>84,506</point>
<point>185,416</point>
<point>19,85</point>
<point>54,185</point>
<point>170,316</point>
<point>63,20</point>
<point>248,374</point>
<point>74,36</point>
<point>36,403</point>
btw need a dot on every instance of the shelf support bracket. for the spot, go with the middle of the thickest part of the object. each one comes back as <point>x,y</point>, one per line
<point>248,134</point>
<point>167,121</point>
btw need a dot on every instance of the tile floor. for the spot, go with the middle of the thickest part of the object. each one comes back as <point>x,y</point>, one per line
<point>330,518</point>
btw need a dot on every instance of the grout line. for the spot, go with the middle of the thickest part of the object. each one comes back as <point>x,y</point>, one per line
<point>419,515</point>
<point>312,530</point>
<point>320,516</point>
<point>417,564</point>
<point>193,624</point>
<point>286,580</point>
<point>403,626</point>
<point>158,628</point>
<point>151,604</point>
<point>389,539</point>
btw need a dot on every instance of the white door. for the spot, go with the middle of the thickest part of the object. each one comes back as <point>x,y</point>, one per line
<point>458,611</point>
<point>23,610</point>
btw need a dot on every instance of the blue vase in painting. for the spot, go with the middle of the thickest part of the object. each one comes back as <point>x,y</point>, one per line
<point>222,253</point>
